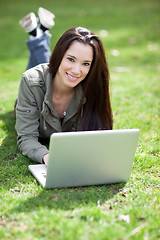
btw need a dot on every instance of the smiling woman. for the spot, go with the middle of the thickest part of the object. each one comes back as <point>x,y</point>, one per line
<point>71,93</point>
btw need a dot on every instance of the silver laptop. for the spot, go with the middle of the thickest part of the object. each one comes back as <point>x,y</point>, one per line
<point>88,158</point>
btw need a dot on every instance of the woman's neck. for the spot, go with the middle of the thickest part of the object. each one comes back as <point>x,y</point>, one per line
<point>61,98</point>
<point>60,90</point>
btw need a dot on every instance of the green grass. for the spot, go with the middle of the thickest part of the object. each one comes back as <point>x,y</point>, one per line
<point>29,212</point>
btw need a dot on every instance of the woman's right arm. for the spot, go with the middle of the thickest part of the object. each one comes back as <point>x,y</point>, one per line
<point>27,122</point>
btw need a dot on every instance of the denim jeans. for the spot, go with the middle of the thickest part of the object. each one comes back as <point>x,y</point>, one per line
<point>39,50</point>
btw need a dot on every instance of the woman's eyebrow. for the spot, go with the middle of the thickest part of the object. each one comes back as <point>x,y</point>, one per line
<point>71,56</point>
<point>76,58</point>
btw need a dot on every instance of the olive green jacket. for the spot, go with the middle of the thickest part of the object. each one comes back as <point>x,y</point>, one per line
<point>35,114</point>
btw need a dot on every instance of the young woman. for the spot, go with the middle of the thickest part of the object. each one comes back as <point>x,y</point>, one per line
<point>71,93</point>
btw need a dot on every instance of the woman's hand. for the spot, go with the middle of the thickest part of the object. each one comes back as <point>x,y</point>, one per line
<point>45,159</point>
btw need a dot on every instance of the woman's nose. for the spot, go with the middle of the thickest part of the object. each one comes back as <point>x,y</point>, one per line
<point>76,69</point>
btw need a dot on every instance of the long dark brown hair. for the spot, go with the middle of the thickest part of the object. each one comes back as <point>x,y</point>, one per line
<point>97,112</point>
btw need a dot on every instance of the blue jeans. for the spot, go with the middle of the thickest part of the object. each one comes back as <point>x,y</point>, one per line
<point>39,50</point>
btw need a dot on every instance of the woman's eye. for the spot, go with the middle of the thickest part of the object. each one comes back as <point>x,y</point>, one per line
<point>70,59</point>
<point>86,64</point>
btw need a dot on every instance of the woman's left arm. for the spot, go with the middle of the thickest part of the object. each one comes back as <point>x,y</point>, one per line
<point>27,123</point>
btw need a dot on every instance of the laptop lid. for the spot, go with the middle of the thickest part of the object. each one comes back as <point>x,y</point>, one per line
<point>90,157</point>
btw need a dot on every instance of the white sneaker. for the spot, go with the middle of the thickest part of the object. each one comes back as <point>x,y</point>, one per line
<point>46,18</point>
<point>29,22</point>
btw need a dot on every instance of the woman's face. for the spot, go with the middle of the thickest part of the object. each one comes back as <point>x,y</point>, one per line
<point>75,64</point>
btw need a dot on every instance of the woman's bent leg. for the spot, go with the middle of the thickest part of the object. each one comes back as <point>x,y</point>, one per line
<point>39,50</point>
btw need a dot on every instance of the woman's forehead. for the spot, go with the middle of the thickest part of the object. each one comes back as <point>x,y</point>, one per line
<point>80,50</point>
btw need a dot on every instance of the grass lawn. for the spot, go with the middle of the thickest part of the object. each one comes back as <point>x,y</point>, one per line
<point>130,31</point>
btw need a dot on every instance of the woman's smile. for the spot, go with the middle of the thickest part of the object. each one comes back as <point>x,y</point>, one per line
<point>71,77</point>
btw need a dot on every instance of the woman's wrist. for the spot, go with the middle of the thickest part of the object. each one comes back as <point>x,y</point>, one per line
<point>45,159</point>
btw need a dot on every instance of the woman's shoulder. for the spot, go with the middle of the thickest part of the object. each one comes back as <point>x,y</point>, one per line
<point>40,69</point>
<point>37,74</point>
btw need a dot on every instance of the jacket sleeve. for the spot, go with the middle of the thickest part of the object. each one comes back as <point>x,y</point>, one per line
<point>27,123</point>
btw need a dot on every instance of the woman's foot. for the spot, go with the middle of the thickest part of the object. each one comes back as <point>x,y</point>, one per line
<point>46,19</point>
<point>29,23</point>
